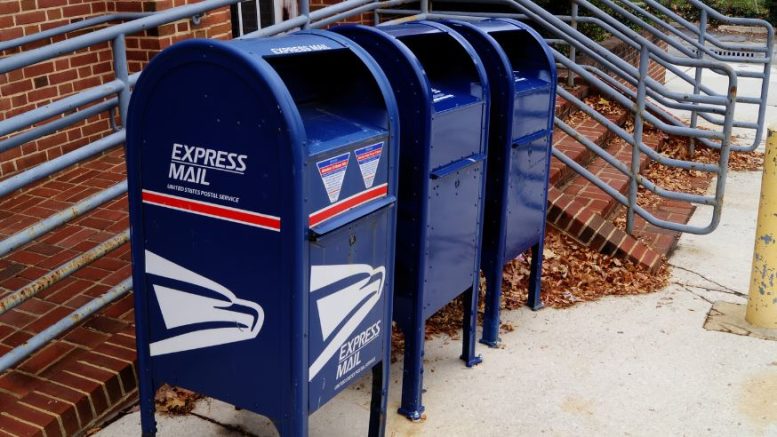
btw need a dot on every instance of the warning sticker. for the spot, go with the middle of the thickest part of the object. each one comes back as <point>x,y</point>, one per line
<point>368,158</point>
<point>332,171</point>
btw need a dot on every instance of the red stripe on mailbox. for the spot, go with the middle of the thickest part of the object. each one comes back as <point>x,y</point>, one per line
<point>206,209</point>
<point>344,205</point>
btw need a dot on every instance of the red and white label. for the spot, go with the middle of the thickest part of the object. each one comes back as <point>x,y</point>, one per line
<point>206,209</point>
<point>346,204</point>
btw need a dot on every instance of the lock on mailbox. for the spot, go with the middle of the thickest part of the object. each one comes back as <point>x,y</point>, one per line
<point>522,74</point>
<point>262,187</point>
<point>442,93</point>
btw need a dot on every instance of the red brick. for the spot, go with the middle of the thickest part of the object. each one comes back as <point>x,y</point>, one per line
<point>65,412</point>
<point>9,7</point>
<point>108,381</point>
<point>18,384</point>
<point>50,318</point>
<point>106,324</point>
<point>36,306</point>
<point>94,389</point>
<point>16,428</point>
<point>29,17</point>
<point>75,398</point>
<point>16,318</point>
<point>125,341</point>
<point>26,414</point>
<point>45,357</point>
<point>85,337</point>
<point>116,352</point>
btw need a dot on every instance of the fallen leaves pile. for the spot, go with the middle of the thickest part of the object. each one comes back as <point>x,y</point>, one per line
<point>571,273</point>
<point>175,400</point>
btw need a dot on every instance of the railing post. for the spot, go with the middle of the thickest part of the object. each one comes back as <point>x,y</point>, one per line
<point>644,62</point>
<point>698,77</point>
<point>572,48</point>
<point>304,9</point>
<point>424,6</point>
<point>122,73</point>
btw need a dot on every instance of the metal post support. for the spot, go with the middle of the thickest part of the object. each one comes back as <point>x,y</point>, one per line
<point>122,73</point>
<point>698,77</point>
<point>304,10</point>
<point>762,304</point>
<point>644,61</point>
<point>572,48</point>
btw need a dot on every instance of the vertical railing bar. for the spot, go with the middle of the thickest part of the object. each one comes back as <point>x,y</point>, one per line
<point>698,77</point>
<point>304,9</point>
<point>644,62</point>
<point>121,71</point>
<point>258,15</point>
<point>572,48</point>
<point>240,18</point>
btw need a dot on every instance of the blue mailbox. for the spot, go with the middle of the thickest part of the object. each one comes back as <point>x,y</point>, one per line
<point>522,73</point>
<point>263,180</point>
<point>442,93</point>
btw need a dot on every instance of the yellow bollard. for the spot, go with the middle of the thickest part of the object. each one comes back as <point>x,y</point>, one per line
<point>762,305</point>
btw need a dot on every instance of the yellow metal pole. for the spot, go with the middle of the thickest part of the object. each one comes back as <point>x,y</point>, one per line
<point>762,305</point>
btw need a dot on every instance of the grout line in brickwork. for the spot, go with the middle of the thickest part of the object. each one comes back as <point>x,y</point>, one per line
<point>72,405</point>
<point>32,424</point>
<point>48,413</point>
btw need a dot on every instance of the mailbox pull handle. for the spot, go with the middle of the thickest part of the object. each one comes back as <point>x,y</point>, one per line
<point>526,139</point>
<point>349,217</point>
<point>455,166</point>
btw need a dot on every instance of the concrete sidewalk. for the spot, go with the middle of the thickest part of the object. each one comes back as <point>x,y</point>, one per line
<point>638,365</point>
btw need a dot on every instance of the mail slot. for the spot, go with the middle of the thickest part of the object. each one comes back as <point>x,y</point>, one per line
<point>263,179</point>
<point>442,94</point>
<point>522,73</point>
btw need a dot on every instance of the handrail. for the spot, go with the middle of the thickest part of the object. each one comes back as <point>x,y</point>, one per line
<point>72,27</point>
<point>71,45</point>
<point>643,111</point>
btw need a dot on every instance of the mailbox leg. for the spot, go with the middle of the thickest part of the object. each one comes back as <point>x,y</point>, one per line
<point>295,425</point>
<point>535,277</point>
<point>379,399</point>
<point>470,325</point>
<point>493,272</point>
<point>147,419</point>
<point>413,372</point>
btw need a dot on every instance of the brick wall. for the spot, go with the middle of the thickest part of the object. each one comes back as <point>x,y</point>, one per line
<point>358,19</point>
<point>42,83</point>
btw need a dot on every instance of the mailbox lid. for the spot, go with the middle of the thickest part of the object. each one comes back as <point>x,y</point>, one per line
<point>451,67</point>
<point>348,113</point>
<point>458,89</point>
<point>534,74</point>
